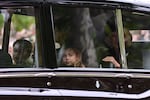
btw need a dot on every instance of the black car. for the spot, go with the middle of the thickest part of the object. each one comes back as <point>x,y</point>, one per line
<point>111,39</point>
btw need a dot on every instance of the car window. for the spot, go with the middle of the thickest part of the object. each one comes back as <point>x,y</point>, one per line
<point>92,31</point>
<point>86,35</point>
<point>18,36</point>
<point>138,48</point>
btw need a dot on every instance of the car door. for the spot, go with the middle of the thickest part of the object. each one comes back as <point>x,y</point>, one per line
<point>111,39</point>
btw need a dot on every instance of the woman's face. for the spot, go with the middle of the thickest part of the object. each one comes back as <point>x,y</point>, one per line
<point>69,58</point>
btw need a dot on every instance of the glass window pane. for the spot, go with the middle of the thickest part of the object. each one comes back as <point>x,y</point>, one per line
<point>92,35</point>
<point>18,35</point>
<point>137,47</point>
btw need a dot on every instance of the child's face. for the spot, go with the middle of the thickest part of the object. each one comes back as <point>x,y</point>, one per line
<point>19,54</point>
<point>69,58</point>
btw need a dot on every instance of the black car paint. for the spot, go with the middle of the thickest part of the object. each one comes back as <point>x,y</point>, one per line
<point>78,80</point>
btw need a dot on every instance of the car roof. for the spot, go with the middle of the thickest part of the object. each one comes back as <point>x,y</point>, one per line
<point>133,2</point>
<point>140,5</point>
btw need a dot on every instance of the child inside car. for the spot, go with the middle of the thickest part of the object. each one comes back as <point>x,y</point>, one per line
<point>72,57</point>
<point>22,52</point>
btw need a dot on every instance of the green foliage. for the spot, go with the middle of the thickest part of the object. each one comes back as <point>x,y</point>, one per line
<point>21,21</point>
<point>1,21</point>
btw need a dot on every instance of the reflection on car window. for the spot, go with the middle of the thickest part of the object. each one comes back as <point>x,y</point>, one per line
<point>140,35</point>
<point>89,30</point>
<point>22,29</point>
<point>94,33</point>
<point>22,43</point>
<point>138,53</point>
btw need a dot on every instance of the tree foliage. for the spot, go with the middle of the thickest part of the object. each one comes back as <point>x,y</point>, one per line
<point>21,21</point>
<point>1,21</point>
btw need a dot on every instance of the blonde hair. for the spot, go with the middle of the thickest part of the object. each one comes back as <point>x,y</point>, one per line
<point>79,62</point>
